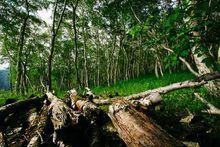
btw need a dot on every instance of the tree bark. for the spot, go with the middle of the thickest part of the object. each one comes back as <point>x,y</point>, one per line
<point>75,41</point>
<point>54,32</point>
<point>86,84</point>
<point>2,140</point>
<point>61,116</point>
<point>136,129</point>
<point>19,75</point>
<point>38,135</point>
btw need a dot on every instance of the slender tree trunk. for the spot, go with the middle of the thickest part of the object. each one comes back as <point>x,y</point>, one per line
<point>218,60</point>
<point>85,55</point>
<point>108,69</point>
<point>75,41</point>
<point>156,69</point>
<point>112,58</point>
<point>97,61</point>
<point>20,49</point>
<point>53,38</point>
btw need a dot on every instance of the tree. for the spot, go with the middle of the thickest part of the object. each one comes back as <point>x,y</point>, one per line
<point>54,32</point>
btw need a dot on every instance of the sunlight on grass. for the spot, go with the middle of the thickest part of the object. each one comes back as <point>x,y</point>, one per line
<point>137,85</point>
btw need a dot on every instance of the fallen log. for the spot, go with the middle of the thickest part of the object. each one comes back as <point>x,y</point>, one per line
<point>95,115</point>
<point>101,102</point>
<point>152,99</point>
<point>136,129</point>
<point>186,84</point>
<point>37,128</point>
<point>20,105</point>
<point>86,106</point>
<point>64,120</point>
<point>2,140</point>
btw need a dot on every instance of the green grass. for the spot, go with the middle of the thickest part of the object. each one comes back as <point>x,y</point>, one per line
<point>137,85</point>
<point>178,100</point>
<point>6,94</point>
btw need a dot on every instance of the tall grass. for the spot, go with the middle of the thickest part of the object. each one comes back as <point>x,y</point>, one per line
<point>137,85</point>
<point>179,100</point>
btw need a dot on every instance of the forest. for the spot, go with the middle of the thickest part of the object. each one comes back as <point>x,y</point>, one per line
<point>107,73</point>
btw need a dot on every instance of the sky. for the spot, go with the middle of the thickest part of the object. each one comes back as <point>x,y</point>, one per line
<point>45,15</point>
<point>4,64</point>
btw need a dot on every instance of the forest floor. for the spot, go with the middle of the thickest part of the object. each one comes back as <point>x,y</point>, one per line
<point>176,105</point>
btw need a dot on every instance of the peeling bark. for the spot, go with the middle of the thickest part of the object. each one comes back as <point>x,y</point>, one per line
<point>37,135</point>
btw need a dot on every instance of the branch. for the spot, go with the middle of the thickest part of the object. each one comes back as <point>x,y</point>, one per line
<point>183,60</point>
<point>61,17</point>
<point>212,109</point>
<point>134,14</point>
<point>186,84</point>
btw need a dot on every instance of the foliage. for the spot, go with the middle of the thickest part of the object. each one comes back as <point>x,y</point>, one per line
<point>113,40</point>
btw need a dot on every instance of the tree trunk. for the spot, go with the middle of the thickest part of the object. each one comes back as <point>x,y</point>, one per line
<point>75,41</point>
<point>18,106</point>
<point>20,50</point>
<point>97,61</point>
<point>156,69</point>
<point>53,38</point>
<point>136,129</point>
<point>85,55</point>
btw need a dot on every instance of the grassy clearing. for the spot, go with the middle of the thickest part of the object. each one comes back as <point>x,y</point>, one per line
<point>137,85</point>
<point>179,100</point>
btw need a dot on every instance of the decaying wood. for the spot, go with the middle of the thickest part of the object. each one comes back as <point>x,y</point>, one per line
<point>91,111</point>
<point>102,101</point>
<point>136,129</point>
<point>151,99</point>
<point>39,125</point>
<point>20,105</point>
<point>186,84</point>
<point>212,109</point>
<point>61,115</point>
<point>85,106</point>
<point>2,140</point>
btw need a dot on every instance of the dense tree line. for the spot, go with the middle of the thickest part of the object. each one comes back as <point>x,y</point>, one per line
<point>93,42</point>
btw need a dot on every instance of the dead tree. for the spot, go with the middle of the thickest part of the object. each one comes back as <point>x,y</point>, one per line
<point>136,129</point>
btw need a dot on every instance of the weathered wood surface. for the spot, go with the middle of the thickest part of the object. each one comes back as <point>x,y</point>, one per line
<point>136,129</point>
<point>37,128</point>
<point>61,116</point>
<point>2,140</point>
